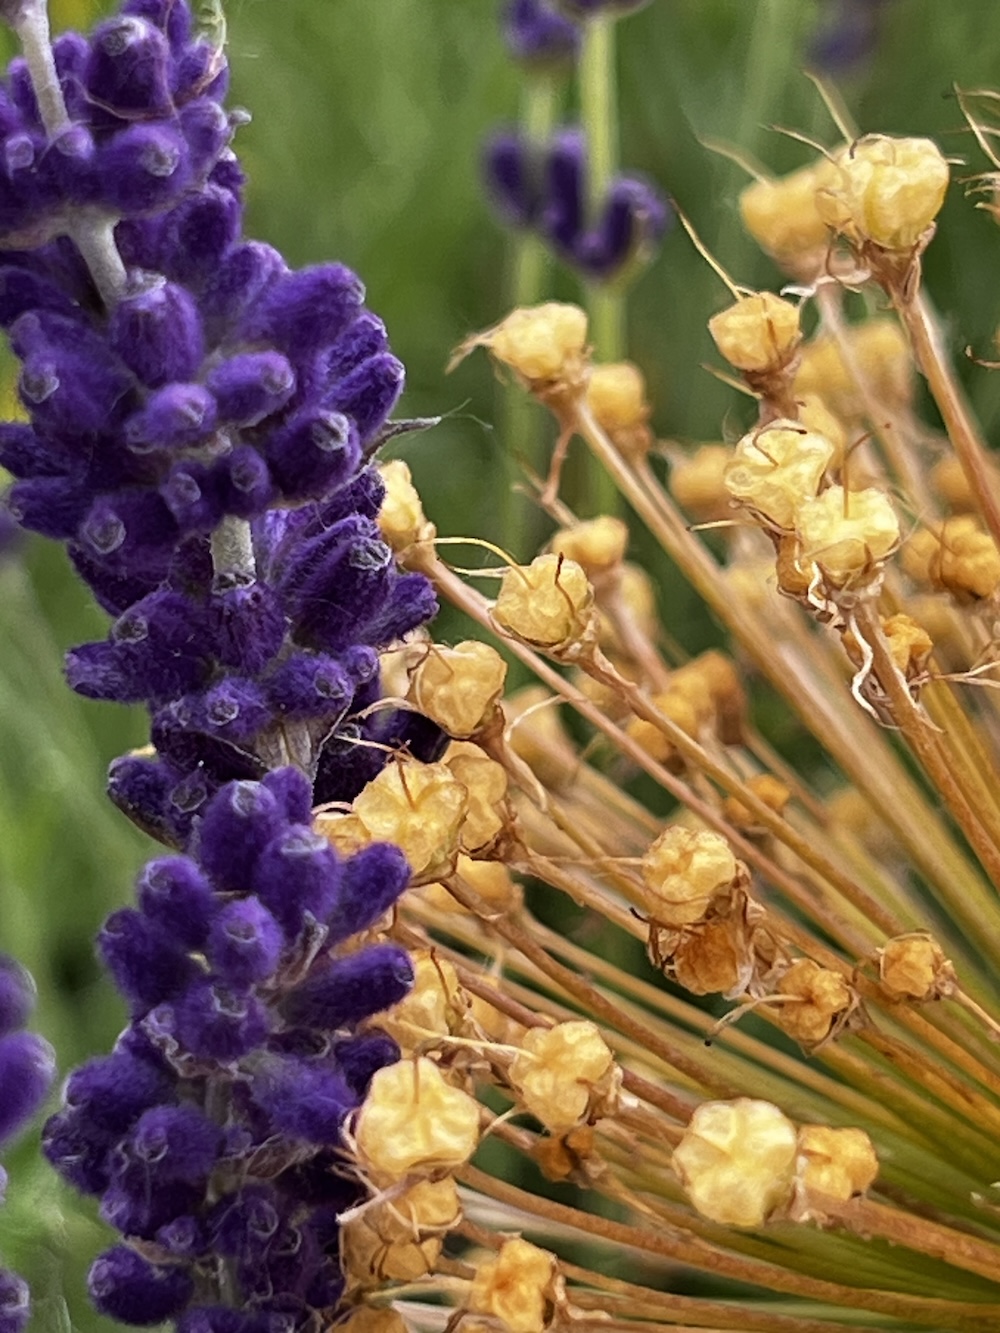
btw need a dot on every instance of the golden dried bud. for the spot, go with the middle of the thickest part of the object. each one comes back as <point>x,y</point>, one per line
<point>782,217</point>
<point>401,519</point>
<point>400,1240</point>
<point>413,1122</point>
<point>548,603</point>
<point>759,334</point>
<point>519,1287</point>
<point>776,469</point>
<point>837,1163</point>
<point>955,556</point>
<point>435,1007</point>
<point>565,1075</point>
<point>736,1161</point>
<point>538,736</point>
<point>371,1319</point>
<point>683,871</point>
<point>486,783</point>
<point>698,482</point>
<point>909,645</point>
<point>821,1000</point>
<point>420,807</point>
<point>885,191</point>
<point>714,958</point>
<point>597,544</point>
<point>459,688</point>
<point>948,480</point>
<point>771,790</point>
<point>616,394</point>
<point>847,533</point>
<point>543,343</point>
<point>914,967</point>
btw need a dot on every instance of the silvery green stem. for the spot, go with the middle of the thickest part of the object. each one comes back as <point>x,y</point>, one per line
<point>93,232</point>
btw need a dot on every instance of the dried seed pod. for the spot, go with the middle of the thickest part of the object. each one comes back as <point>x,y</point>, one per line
<point>458,688</point>
<point>401,518</point>
<point>736,1161</point>
<point>717,673</point>
<point>782,217</point>
<point>771,790</point>
<point>520,1287</point>
<point>546,345</point>
<point>677,707</point>
<point>399,1240</point>
<point>949,482</point>
<point>537,735</point>
<point>548,603</point>
<point>565,1075</point>
<point>881,353</point>
<point>835,1163</point>
<point>914,967</point>
<point>616,394</point>
<point>412,1122</point>
<point>684,872</point>
<point>436,1006</point>
<point>759,334</point>
<point>597,545</point>
<point>955,556</point>
<point>714,957</point>
<point>488,812</point>
<point>816,1001</point>
<point>776,469</point>
<point>884,191</point>
<point>847,533</point>
<point>909,645</point>
<point>421,808</point>
<point>698,482</point>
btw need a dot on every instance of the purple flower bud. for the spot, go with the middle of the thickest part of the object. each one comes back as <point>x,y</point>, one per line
<point>177,1143</point>
<point>70,166</point>
<point>131,530</point>
<point>143,168</point>
<point>538,34</point>
<point>372,880</point>
<point>304,311</point>
<point>17,995</point>
<point>237,825</point>
<point>172,16</point>
<point>193,494</point>
<point>369,393</point>
<point>251,386</point>
<point>22,290</point>
<point>147,965</point>
<point>247,626</point>
<point>244,482</point>
<point>144,790</point>
<point>27,1067</point>
<point>351,988</point>
<point>223,1319</point>
<point>184,1237</point>
<point>293,792</point>
<point>112,1091</point>
<point>315,452</point>
<point>361,1057</point>
<point>125,1286</point>
<point>245,942</point>
<point>364,337</point>
<point>565,188</point>
<point>156,330</point>
<point>310,685</point>
<point>244,274</point>
<point>298,872</point>
<point>15,1299</point>
<point>510,178</point>
<point>70,381</point>
<point>53,506</point>
<point>303,1099</point>
<point>234,709</point>
<point>174,894</point>
<point>79,1151</point>
<point>634,218</point>
<point>197,233</point>
<point>129,68</point>
<point>179,416</point>
<point>213,1021</point>
<point>207,130</point>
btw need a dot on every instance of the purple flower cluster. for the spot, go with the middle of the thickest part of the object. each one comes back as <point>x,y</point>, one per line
<point>27,1066</point>
<point>546,191</point>
<point>201,436</point>
<point>548,32</point>
<point>209,1132</point>
<point>849,32</point>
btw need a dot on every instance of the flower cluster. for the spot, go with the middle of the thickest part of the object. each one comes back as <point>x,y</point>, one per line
<point>549,32</point>
<point>210,1132</point>
<point>27,1066</point>
<point>545,190</point>
<point>200,424</point>
<point>848,33</point>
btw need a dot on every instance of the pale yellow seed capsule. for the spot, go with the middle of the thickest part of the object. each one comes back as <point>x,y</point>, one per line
<point>459,688</point>
<point>541,343</point>
<point>771,790</point>
<point>597,544</point>
<point>956,556</point>
<point>345,833</point>
<point>677,707</point>
<point>401,1239</point>
<point>782,217</point>
<point>884,357</point>
<point>759,334</point>
<point>909,645</point>
<point>698,482</point>
<point>914,967</point>
<point>736,1161</point>
<point>492,881</point>
<point>837,1163</point>
<point>413,1122</point>
<point>817,417</point>
<point>847,533</point>
<point>486,783</point>
<point>683,871</point>
<point>436,1005</point>
<point>885,191</point>
<point>518,1287</point>
<point>420,807</point>
<point>776,469</point>
<point>713,959</point>
<point>948,480</point>
<point>565,1074</point>
<point>401,519</point>
<point>538,736</point>
<point>548,603</point>
<point>616,394</point>
<point>821,999</point>
<point>369,1319</point>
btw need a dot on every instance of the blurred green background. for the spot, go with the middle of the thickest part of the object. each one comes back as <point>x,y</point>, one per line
<point>368,117</point>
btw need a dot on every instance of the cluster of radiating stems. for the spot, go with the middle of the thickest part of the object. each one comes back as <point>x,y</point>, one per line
<point>919,1073</point>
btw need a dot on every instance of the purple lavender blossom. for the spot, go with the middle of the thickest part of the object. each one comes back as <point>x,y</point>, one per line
<point>209,1134</point>
<point>201,437</point>
<point>538,34</point>
<point>27,1067</point>
<point>848,33</point>
<point>591,8</point>
<point>546,191</point>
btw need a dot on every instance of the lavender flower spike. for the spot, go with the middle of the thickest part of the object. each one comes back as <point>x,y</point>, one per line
<point>210,1132</point>
<point>538,34</point>
<point>27,1067</point>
